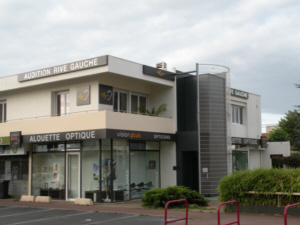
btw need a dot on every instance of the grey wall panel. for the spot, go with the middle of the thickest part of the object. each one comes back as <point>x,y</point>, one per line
<point>213,137</point>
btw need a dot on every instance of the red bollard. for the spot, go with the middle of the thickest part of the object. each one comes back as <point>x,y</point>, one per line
<point>285,211</point>
<point>186,211</point>
<point>237,211</point>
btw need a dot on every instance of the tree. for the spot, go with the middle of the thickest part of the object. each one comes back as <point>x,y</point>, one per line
<point>291,125</point>
<point>278,135</point>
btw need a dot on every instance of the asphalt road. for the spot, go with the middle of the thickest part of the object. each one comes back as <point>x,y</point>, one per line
<point>11,215</point>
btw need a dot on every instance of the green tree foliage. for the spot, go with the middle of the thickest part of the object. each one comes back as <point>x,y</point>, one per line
<point>278,135</point>
<point>291,125</point>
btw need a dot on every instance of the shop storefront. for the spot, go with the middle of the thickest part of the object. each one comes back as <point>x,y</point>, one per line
<point>13,169</point>
<point>104,165</point>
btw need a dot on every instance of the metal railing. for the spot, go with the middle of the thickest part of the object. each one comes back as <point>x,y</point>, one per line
<point>286,209</point>
<point>186,212</point>
<point>237,212</point>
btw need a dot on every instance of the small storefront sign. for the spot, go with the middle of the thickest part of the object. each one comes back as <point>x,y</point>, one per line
<point>83,95</point>
<point>155,72</point>
<point>238,93</point>
<point>244,141</point>
<point>15,139</point>
<point>105,94</point>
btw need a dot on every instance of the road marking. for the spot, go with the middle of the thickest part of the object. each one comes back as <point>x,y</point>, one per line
<point>8,207</point>
<point>56,217</point>
<point>26,213</point>
<point>105,221</point>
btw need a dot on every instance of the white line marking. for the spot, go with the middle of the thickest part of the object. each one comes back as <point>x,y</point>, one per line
<point>8,207</point>
<point>26,213</point>
<point>56,217</point>
<point>104,221</point>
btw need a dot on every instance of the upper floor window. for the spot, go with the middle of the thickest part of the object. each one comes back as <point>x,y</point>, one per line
<point>138,103</point>
<point>62,103</point>
<point>120,101</point>
<point>237,114</point>
<point>2,111</point>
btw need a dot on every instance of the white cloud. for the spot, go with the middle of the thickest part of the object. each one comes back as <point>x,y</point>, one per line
<point>257,40</point>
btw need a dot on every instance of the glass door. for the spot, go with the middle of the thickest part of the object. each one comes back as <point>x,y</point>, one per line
<point>73,176</point>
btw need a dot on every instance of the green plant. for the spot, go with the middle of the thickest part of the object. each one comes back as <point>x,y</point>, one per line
<point>159,197</point>
<point>154,112</point>
<point>237,186</point>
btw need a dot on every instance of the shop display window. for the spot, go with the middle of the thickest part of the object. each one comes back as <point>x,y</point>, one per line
<point>144,168</point>
<point>53,147</point>
<point>48,175</point>
<point>90,169</point>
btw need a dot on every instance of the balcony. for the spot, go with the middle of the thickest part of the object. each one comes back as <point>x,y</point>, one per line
<point>88,120</point>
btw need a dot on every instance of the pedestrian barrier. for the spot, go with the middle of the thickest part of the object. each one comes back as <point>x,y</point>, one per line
<point>237,212</point>
<point>286,209</point>
<point>186,212</point>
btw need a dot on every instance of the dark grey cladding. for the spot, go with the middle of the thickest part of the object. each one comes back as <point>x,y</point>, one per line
<point>213,135</point>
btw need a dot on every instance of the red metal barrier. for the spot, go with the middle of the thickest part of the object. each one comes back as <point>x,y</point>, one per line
<point>186,211</point>
<point>285,211</point>
<point>237,211</point>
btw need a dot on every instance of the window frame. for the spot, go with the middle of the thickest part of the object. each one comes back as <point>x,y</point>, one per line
<point>237,114</point>
<point>66,103</point>
<point>3,111</point>
<point>119,92</point>
<point>139,96</point>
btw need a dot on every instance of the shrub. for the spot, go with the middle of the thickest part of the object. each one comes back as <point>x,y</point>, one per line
<point>159,197</point>
<point>291,161</point>
<point>237,186</point>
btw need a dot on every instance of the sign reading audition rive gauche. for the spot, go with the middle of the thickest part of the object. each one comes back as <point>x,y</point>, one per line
<point>105,94</point>
<point>238,93</point>
<point>65,68</point>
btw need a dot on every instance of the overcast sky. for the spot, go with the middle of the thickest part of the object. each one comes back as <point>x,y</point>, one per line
<point>259,40</point>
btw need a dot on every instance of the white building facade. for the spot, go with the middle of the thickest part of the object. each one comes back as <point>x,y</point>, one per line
<point>81,130</point>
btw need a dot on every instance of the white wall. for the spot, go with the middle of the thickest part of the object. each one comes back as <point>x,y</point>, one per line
<point>275,148</point>
<point>167,161</point>
<point>254,159</point>
<point>252,117</point>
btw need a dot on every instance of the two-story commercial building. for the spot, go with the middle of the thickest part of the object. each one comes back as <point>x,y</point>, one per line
<point>86,129</point>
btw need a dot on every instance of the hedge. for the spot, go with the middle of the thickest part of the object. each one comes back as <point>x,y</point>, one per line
<point>158,198</point>
<point>237,186</point>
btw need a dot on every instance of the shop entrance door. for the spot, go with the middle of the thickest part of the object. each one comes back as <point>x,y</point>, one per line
<point>73,176</point>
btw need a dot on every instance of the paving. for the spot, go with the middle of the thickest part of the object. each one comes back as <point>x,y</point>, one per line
<point>130,212</point>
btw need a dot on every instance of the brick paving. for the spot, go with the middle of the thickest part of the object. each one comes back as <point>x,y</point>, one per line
<point>200,217</point>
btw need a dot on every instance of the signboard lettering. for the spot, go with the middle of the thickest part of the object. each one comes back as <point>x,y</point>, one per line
<point>66,68</point>
<point>238,93</point>
<point>244,141</point>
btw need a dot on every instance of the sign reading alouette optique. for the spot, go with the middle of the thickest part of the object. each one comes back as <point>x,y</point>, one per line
<point>98,134</point>
<point>65,68</point>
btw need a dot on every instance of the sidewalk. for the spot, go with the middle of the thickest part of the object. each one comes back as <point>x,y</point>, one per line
<point>200,217</point>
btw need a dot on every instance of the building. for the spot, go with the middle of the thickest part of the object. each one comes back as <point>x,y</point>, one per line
<point>83,129</point>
